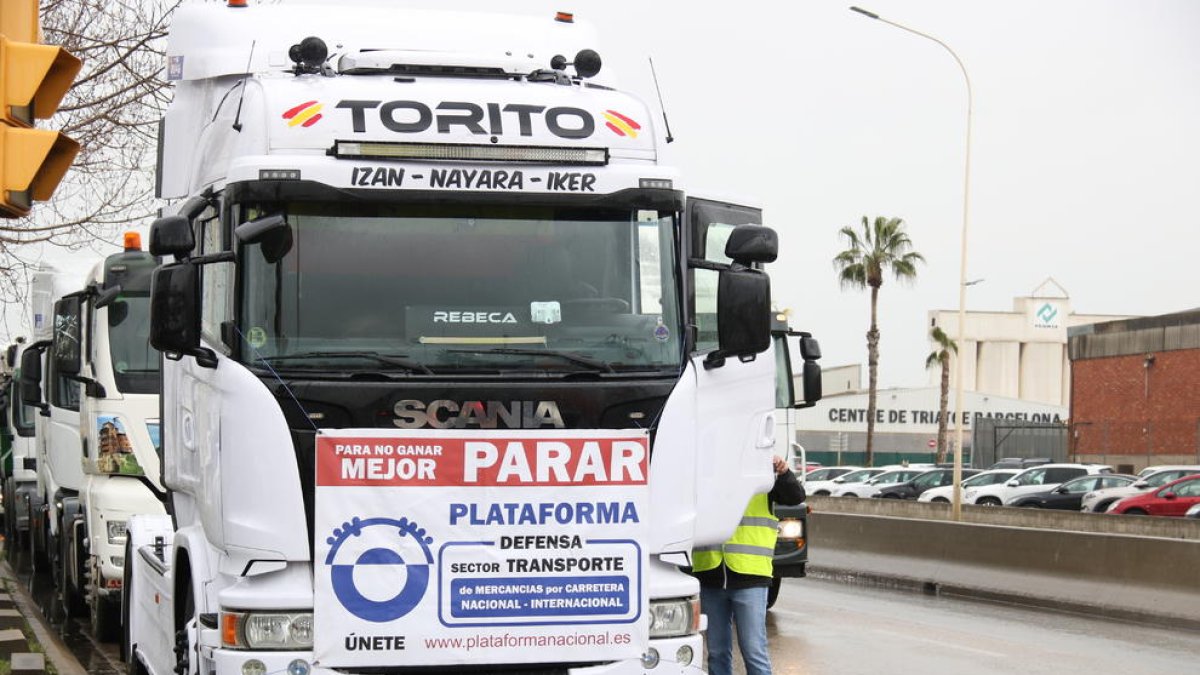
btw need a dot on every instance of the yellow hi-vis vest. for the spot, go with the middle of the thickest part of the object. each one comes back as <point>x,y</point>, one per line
<point>752,546</point>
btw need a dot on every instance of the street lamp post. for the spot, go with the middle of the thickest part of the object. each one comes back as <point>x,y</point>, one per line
<point>956,501</point>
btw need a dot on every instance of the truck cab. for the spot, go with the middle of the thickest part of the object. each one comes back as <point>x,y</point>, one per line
<point>98,457</point>
<point>441,331</point>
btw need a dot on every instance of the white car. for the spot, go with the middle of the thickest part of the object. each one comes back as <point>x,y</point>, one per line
<point>826,487</point>
<point>946,492</point>
<point>1033,479</point>
<point>827,473</point>
<point>1099,501</point>
<point>877,483</point>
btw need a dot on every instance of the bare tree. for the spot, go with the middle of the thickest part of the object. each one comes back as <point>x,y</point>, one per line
<point>112,110</point>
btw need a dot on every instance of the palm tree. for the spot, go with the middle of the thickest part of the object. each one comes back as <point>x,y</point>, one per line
<point>880,246</point>
<point>941,356</point>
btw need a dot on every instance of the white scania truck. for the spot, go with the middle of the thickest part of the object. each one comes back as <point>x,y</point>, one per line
<point>97,434</point>
<point>456,372</point>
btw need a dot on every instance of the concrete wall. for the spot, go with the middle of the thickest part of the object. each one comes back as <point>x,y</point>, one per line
<point>1118,575</point>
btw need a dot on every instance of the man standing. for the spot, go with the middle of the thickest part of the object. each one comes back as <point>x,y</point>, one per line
<point>735,577</point>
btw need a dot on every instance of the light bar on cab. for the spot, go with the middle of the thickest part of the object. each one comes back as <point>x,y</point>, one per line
<point>456,152</point>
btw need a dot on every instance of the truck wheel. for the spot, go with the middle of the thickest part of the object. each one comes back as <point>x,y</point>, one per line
<point>773,591</point>
<point>72,602</point>
<point>183,647</point>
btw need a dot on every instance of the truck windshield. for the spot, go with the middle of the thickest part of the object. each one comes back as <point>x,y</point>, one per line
<point>134,361</point>
<point>448,288</point>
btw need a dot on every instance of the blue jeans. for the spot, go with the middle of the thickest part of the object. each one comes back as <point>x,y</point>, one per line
<point>745,608</point>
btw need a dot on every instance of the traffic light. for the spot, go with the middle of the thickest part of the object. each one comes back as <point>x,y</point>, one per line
<point>33,80</point>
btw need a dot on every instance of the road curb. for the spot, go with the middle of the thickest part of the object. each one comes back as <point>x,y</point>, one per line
<point>933,587</point>
<point>56,652</point>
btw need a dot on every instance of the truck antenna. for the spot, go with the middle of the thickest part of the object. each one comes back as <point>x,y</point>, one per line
<point>670,138</point>
<point>237,119</point>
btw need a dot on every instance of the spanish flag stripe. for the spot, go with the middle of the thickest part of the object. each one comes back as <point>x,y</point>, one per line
<point>612,126</point>
<point>292,113</point>
<point>305,115</point>
<point>625,119</point>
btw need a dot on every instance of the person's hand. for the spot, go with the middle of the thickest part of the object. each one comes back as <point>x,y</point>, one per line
<point>779,465</point>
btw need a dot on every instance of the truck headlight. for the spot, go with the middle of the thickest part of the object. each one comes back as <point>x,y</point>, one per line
<point>263,630</point>
<point>674,617</point>
<point>790,528</point>
<point>116,531</point>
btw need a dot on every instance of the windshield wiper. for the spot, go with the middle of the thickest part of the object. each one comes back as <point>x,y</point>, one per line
<point>398,360</point>
<point>594,364</point>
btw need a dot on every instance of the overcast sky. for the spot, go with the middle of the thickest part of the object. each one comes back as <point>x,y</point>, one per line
<point>1085,150</point>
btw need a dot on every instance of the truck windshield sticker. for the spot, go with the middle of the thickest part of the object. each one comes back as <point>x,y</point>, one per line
<point>546,312</point>
<point>469,547</point>
<point>257,337</point>
<point>114,448</point>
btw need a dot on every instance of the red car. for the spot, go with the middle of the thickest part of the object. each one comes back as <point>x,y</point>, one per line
<point>1172,499</point>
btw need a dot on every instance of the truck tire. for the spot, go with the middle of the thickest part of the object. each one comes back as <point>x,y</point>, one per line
<point>72,601</point>
<point>773,591</point>
<point>183,646</point>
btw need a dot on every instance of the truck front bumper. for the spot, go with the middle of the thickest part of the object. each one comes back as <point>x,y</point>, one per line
<point>667,658</point>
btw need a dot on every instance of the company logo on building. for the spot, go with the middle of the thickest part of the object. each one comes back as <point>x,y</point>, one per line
<point>1046,316</point>
<point>620,124</point>
<point>304,115</point>
<point>394,549</point>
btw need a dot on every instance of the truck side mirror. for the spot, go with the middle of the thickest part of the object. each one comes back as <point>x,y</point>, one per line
<point>172,235</point>
<point>810,351</point>
<point>752,244</point>
<point>743,314</point>
<point>31,378</point>
<point>175,313</point>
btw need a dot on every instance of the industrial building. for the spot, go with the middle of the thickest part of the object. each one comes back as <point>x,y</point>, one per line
<point>906,422</point>
<point>1019,354</point>
<point>1135,398</point>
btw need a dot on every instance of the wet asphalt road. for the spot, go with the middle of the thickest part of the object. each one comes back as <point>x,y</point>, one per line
<point>825,628</point>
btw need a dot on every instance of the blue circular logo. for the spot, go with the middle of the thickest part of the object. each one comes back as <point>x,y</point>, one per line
<point>391,544</point>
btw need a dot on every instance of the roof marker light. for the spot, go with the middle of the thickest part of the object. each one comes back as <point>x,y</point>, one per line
<point>564,17</point>
<point>133,241</point>
<point>238,3</point>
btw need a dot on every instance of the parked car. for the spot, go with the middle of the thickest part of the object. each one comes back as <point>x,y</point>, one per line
<point>946,492</point>
<point>1172,499</point>
<point>911,489</point>
<point>855,475</point>
<point>1100,500</point>
<point>827,473</point>
<point>1035,479</point>
<point>877,483</point>
<point>1019,462</point>
<point>1069,495</point>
